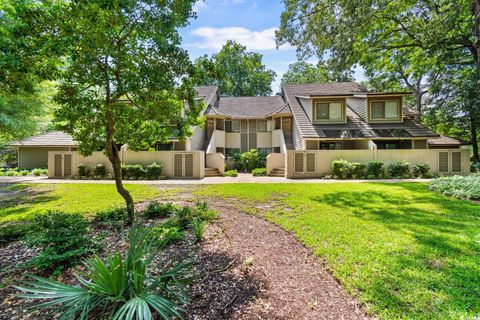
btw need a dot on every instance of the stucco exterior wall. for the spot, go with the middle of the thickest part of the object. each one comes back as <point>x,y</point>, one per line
<point>35,157</point>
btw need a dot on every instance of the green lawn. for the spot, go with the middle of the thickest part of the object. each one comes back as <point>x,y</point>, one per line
<point>23,201</point>
<point>405,252</point>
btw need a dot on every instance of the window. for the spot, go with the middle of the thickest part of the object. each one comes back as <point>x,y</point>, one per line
<point>385,109</point>
<point>276,149</point>
<point>331,146</point>
<point>328,111</point>
<point>261,125</point>
<point>278,122</point>
<point>387,145</point>
<point>164,146</point>
<point>266,151</point>
<point>231,152</point>
<point>232,125</point>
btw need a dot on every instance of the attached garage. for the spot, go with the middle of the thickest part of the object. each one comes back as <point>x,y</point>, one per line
<point>33,152</point>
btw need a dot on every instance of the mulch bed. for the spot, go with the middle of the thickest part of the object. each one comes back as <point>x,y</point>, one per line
<point>245,268</point>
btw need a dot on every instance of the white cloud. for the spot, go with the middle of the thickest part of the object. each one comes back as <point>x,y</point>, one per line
<point>199,5</point>
<point>215,38</point>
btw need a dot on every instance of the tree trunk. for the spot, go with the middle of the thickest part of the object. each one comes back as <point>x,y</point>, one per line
<point>474,140</point>
<point>476,14</point>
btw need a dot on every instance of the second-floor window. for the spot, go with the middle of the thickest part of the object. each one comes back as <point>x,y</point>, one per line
<point>389,110</point>
<point>328,111</point>
<point>262,125</point>
<point>232,125</point>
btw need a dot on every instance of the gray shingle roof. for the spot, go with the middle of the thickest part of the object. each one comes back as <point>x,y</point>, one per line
<point>207,93</point>
<point>54,138</point>
<point>249,107</point>
<point>447,141</point>
<point>354,121</point>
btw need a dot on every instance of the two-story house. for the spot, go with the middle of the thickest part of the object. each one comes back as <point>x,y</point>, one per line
<point>303,131</point>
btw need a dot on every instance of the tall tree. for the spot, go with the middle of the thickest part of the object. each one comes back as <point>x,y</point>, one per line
<point>235,71</point>
<point>127,80</point>
<point>304,72</point>
<point>26,61</point>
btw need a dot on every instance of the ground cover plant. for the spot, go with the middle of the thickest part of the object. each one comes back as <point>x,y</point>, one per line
<point>461,187</point>
<point>259,172</point>
<point>405,252</point>
<point>230,173</point>
<point>15,172</point>
<point>21,202</point>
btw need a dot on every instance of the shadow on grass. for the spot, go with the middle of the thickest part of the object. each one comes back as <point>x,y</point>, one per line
<point>17,199</point>
<point>440,269</point>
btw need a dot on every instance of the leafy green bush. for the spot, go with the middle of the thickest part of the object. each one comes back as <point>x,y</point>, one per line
<point>257,172</point>
<point>198,228</point>
<point>421,170</point>
<point>230,173</point>
<point>118,287</point>
<point>461,187</point>
<point>13,232</point>
<point>400,169</point>
<point>100,170</point>
<point>358,170</point>
<point>159,210</point>
<point>37,172</point>
<point>153,171</point>
<point>184,216</point>
<point>375,169</point>
<point>203,211</point>
<point>11,173</point>
<point>253,159</point>
<point>62,237</point>
<point>83,170</point>
<point>342,169</point>
<point>165,235</point>
<point>114,217</point>
<point>475,167</point>
<point>133,171</point>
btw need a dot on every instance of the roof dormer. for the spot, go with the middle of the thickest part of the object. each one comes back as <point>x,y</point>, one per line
<point>384,109</point>
<point>329,110</point>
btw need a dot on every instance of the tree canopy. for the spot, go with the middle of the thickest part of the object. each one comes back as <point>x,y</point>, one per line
<point>304,72</point>
<point>127,80</point>
<point>235,71</point>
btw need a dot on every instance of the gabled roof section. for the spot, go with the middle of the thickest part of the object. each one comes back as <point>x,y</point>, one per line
<point>53,138</point>
<point>249,107</point>
<point>356,127</point>
<point>207,93</point>
<point>446,141</point>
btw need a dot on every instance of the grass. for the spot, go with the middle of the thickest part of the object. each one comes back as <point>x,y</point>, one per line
<point>20,202</point>
<point>405,252</point>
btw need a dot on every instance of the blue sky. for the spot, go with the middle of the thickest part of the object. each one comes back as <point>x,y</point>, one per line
<point>250,22</point>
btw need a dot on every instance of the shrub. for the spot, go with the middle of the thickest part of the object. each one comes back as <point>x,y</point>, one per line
<point>342,169</point>
<point>202,211</point>
<point>358,170</point>
<point>134,171</point>
<point>253,159</point>
<point>230,173</point>
<point>165,236</point>
<point>62,237</point>
<point>83,170</point>
<point>421,170</point>
<point>24,173</point>
<point>461,187</point>
<point>100,170</point>
<point>159,210</point>
<point>37,172</point>
<point>11,173</point>
<point>375,169</point>
<point>153,171</point>
<point>198,228</point>
<point>13,232</point>
<point>257,172</point>
<point>184,216</point>
<point>111,217</point>
<point>119,287</point>
<point>399,169</point>
<point>475,167</point>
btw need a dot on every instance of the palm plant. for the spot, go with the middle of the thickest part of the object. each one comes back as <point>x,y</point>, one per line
<point>118,288</point>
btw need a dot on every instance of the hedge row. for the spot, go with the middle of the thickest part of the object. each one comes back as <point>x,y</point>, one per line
<point>129,171</point>
<point>343,169</point>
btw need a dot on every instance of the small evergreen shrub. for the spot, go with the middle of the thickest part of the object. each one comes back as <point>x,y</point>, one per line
<point>23,173</point>
<point>358,170</point>
<point>153,171</point>
<point>62,237</point>
<point>13,231</point>
<point>133,171</point>
<point>475,167</point>
<point>461,187</point>
<point>375,169</point>
<point>160,210</point>
<point>231,173</point>
<point>399,170</point>
<point>342,169</point>
<point>421,170</point>
<point>100,170</point>
<point>165,236</point>
<point>257,172</point>
<point>83,170</point>
<point>12,173</point>
<point>253,159</point>
<point>114,217</point>
<point>184,216</point>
